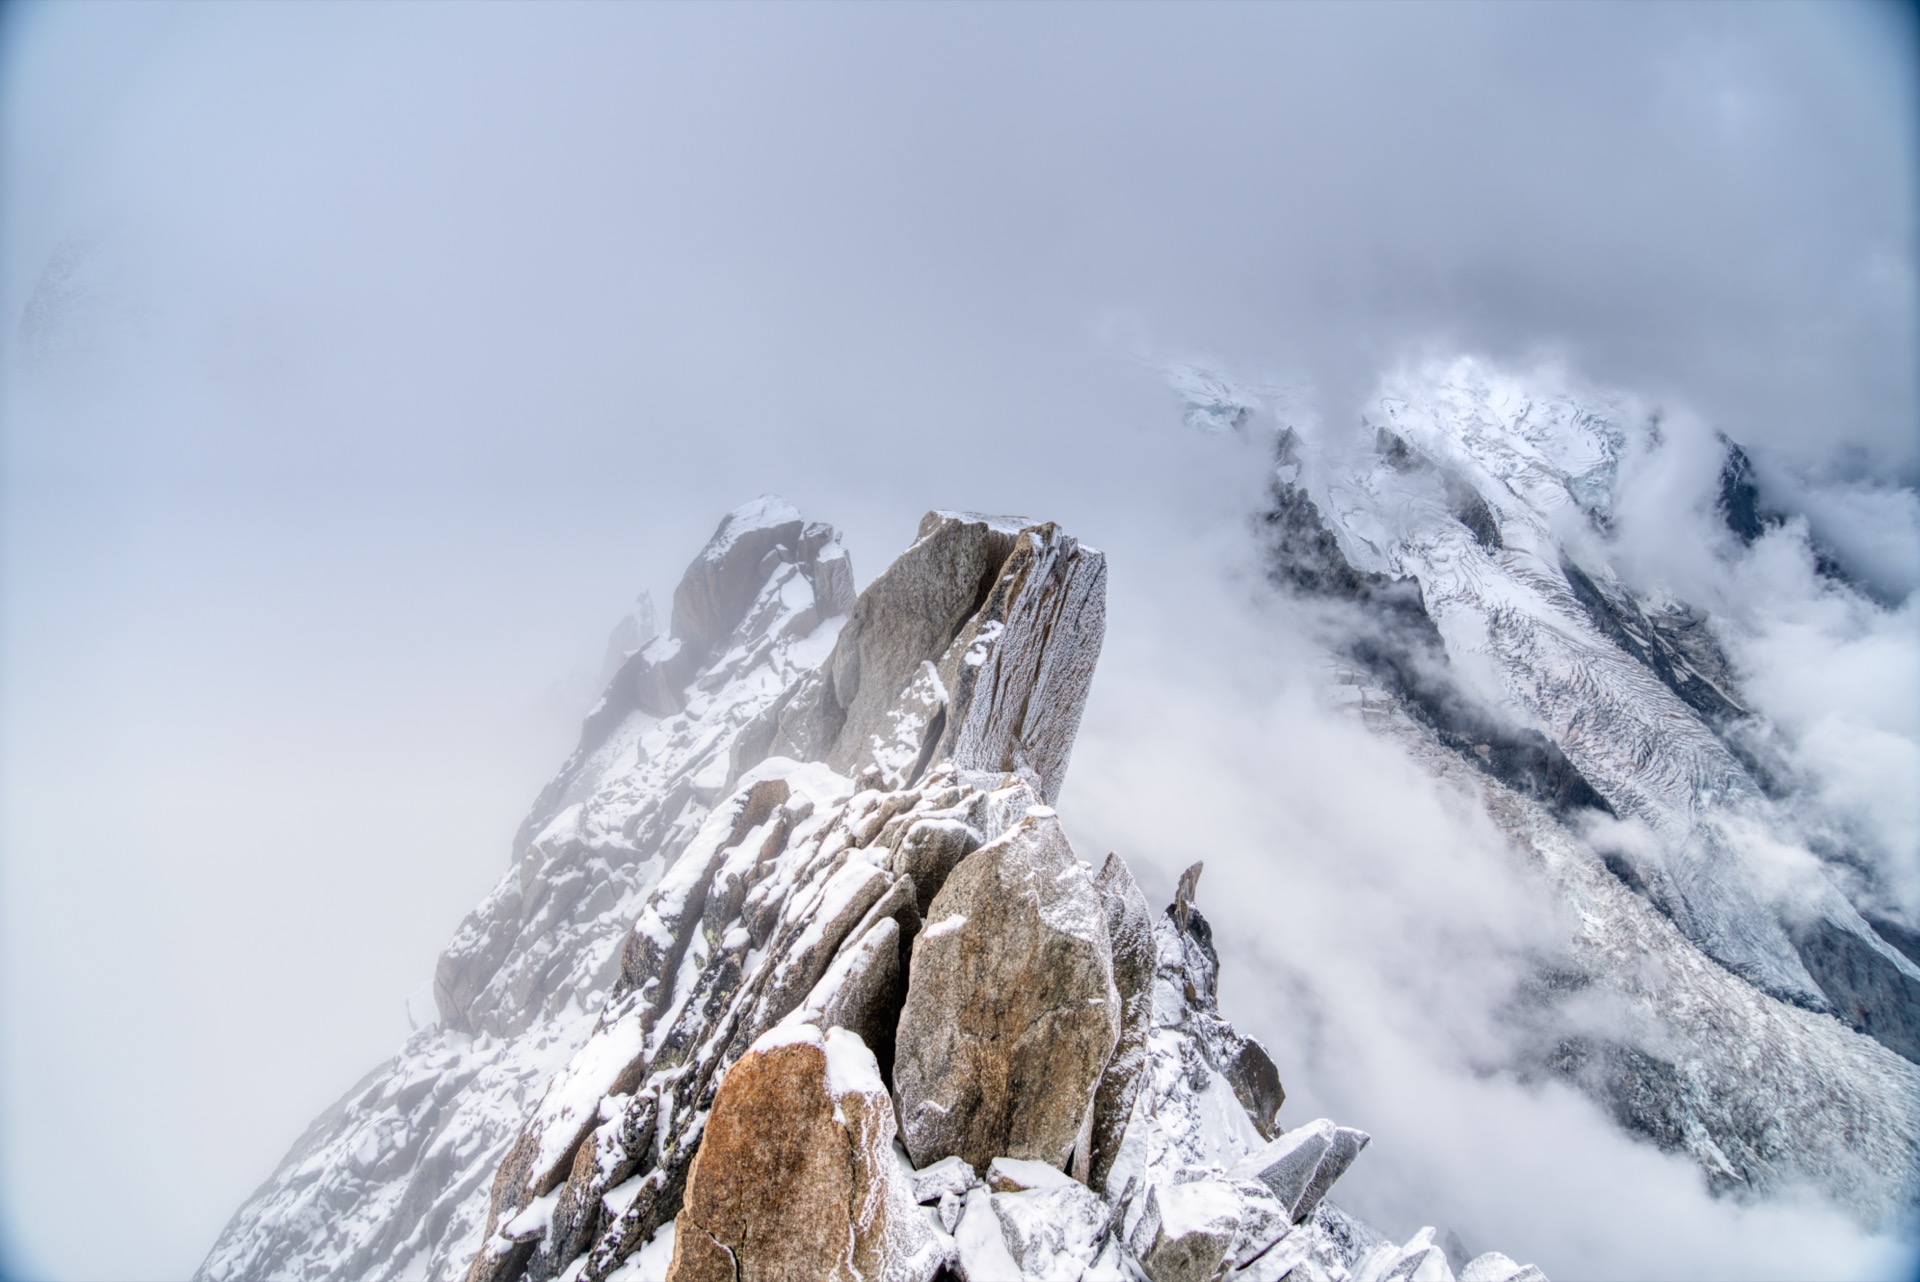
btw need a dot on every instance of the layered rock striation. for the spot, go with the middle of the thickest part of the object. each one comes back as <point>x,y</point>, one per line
<point>797,975</point>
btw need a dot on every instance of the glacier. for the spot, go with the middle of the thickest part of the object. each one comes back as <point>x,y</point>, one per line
<point>1458,547</point>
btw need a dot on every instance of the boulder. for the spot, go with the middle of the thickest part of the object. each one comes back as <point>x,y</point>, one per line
<point>1200,1226</point>
<point>979,1242</point>
<point>948,1175</point>
<point>796,1177</point>
<point>930,850</point>
<point>1194,1230</point>
<point>1015,1175</point>
<point>1302,1164</point>
<point>1056,1230</point>
<point>861,990</point>
<point>1011,1012</point>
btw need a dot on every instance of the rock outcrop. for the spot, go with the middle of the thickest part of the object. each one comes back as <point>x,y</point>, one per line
<point>796,1178</point>
<point>1299,1167</point>
<point>803,884</point>
<point>393,1181</point>
<point>976,646</point>
<point>1011,1013</point>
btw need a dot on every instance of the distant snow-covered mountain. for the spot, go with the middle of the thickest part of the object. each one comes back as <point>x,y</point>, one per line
<point>1465,551</point>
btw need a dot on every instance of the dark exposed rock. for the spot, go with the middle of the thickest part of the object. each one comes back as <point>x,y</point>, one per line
<point>1748,514</point>
<point>1675,646</point>
<point>1898,934</point>
<point>1472,511</point>
<point>1468,507</point>
<point>1661,1102</point>
<point>1740,506</point>
<point>1867,984</point>
<point>1241,1060</point>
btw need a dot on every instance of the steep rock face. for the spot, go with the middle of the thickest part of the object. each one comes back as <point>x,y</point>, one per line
<point>1590,698</point>
<point>949,656</point>
<point>1011,1012</point>
<point>1399,643</point>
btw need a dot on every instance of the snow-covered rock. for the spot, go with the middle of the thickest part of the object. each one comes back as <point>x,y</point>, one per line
<point>1452,536</point>
<point>947,657</point>
<point>796,1174</point>
<point>1299,1167</point>
<point>630,635</point>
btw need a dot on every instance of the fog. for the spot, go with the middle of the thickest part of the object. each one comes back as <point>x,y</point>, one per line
<point>362,363</point>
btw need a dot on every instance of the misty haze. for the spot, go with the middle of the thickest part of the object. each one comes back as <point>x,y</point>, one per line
<point>1190,643</point>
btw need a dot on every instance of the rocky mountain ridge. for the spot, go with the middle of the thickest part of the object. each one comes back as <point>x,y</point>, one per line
<point>795,974</point>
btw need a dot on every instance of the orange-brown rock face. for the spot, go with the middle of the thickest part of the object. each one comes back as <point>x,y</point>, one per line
<point>796,1178</point>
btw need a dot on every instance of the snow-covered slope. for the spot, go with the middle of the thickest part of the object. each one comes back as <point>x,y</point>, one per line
<point>1461,548</point>
<point>392,1182</point>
